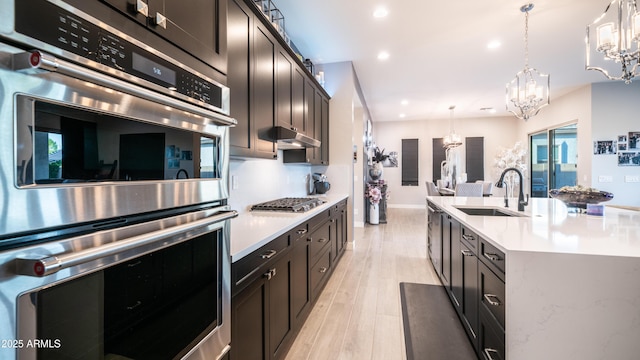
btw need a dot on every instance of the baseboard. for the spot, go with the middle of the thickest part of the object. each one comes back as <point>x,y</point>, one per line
<point>406,206</point>
<point>358,224</point>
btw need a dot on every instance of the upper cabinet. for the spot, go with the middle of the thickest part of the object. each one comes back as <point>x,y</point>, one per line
<point>197,26</point>
<point>251,78</point>
<point>270,87</point>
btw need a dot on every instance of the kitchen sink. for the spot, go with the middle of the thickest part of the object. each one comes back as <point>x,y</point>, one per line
<point>485,211</point>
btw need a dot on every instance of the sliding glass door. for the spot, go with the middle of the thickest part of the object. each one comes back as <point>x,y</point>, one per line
<point>554,159</point>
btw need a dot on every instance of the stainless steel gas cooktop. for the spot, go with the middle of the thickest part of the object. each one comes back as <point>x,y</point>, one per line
<point>289,204</point>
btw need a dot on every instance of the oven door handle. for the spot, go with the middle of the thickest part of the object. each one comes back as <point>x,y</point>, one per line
<point>39,60</point>
<point>39,266</point>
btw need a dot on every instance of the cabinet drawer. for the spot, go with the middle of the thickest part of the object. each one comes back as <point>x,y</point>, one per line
<point>318,241</point>
<point>335,209</point>
<point>243,269</point>
<point>318,220</point>
<point>470,238</point>
<point>493,257</point>
<point>319,273</point>
<point>492,295</point>
<point>490,339</point>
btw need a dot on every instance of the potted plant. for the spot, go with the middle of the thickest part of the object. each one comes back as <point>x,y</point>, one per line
<point>375,171</point>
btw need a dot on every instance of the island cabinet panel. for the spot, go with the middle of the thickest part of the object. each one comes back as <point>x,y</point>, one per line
<point>446,252</point>
<point>472,273</point>
<point>434,237</point>
<point>274,287</point>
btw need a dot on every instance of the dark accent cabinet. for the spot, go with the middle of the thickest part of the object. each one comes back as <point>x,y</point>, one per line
<point>251,78</point>
<point>197,26</point>
<point>269,87</point>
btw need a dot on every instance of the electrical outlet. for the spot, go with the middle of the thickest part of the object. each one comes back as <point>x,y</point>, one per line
<point>632,178</point>
<point>605,178</point>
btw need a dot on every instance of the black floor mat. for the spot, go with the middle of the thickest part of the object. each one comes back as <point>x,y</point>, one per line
<point>432,329</point>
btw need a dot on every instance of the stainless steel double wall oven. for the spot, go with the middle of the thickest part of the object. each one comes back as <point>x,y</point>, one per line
<point>114,223</point>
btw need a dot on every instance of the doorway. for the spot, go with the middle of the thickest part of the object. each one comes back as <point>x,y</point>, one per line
<point>554,159</point>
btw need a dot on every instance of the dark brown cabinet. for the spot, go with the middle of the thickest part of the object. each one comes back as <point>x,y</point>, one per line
<point>261,312</point>
<point>197,26</point>
<point>274,287</point>
<point>251,78</point>
<point>270,87</point>
<point>472,272</point>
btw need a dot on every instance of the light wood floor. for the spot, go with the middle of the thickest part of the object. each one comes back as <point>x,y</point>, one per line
<point>358,315</point>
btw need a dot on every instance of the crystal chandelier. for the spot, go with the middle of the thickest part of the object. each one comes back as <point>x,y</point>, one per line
<point>528,92</point>
<point>617,34</point>
<point>452,140</point>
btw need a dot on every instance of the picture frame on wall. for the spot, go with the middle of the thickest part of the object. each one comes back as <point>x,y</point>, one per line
<point>634,140</point>
<point>606,147</point>
<point>629,158</point>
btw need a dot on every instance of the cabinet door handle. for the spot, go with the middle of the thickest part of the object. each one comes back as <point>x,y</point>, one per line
<point>269,254</point>
<point>468,237</point>
<point>466,252</point>
<point>142,7</point>
<point>301,231</point>
<point>323,240</point>
<point>489,352</point>
<point>134,264</point>
<point>270,274</point>
<point>323,270</point>
<point>493,300</point>
<point>160,20</point>
<point>492,256</point>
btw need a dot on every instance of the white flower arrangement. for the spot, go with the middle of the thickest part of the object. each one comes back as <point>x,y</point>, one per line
<point>514,157</point>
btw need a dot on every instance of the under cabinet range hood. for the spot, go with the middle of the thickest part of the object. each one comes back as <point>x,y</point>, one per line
<point>288,139</point>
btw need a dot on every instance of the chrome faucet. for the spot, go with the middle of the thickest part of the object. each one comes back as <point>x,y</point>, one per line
<point>521,200</point>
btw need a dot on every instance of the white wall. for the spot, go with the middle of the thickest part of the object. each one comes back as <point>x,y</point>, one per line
<point>260,180</point>
<point>498,132</point>
<point>615,112</point>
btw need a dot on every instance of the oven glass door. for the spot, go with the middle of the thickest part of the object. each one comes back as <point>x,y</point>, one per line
<point>156,306</point>
<point>72,145</point>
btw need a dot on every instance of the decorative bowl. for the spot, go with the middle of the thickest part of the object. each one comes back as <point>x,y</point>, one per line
<point>579,197</point>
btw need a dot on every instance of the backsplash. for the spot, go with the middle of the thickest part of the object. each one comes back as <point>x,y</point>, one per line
<point>253,181</point>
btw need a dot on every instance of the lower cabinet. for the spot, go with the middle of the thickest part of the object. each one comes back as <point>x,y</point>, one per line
<point>473,276</point>
<point>275,287</point>
<point>261,312</point>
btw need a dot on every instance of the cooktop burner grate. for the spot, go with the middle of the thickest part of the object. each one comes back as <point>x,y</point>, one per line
<point>289,204</point>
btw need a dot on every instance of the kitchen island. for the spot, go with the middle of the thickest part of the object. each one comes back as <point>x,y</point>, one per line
<point>571,281</point>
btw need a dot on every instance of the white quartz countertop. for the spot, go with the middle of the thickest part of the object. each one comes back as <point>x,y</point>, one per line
<point>548,226</point>
<point>253,229</point>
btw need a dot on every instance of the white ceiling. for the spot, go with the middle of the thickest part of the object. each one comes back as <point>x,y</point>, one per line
<point>438,49</point>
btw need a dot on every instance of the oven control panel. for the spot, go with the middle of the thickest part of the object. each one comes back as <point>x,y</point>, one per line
<point>74,34</point>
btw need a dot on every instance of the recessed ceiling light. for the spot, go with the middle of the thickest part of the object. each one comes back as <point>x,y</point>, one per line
<point>494,44</point>
<point>383,55</point>
<point>380,12</point>
<point>402,115</point>
<point>404,102</point>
